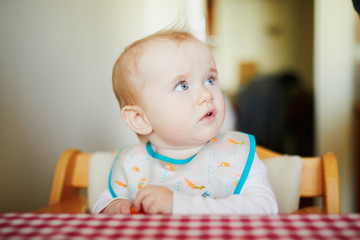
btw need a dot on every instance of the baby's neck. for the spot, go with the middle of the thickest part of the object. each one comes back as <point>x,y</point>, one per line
<point>178,152</point>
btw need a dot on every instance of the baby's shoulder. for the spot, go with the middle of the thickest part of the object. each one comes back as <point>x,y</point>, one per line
<point>132,152</point>
<point>233,142</point>
<point>234,147</point>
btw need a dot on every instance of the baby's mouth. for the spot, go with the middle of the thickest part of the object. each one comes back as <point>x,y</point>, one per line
<point>209,115</point>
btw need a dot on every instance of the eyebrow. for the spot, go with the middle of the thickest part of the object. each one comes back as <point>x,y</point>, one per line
<point>213,70</point>
<point>186,75</point>
<point>180,77</point>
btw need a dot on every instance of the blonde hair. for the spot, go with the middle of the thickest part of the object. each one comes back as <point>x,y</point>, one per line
<point>125,78</point>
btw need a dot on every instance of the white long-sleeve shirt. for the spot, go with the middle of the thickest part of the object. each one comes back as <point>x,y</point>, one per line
<point>211,182</point>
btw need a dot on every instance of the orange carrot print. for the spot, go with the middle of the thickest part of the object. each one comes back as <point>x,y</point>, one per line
<point>235,142</point>
<point>136,169</point>
<point>169,167</point>
<point>141,183</point>
<point>121,184</point>
<point>213,139</point>
<point>237,181</point>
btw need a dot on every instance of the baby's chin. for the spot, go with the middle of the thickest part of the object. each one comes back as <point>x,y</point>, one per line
<point>213,132</point>
<point>188,139</point>
<point>206,137</point>
<point>193,142</point>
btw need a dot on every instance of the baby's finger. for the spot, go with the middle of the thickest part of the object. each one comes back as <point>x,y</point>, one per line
<point>155,209</point>
<point>139,198</point>
<point>148,203</point>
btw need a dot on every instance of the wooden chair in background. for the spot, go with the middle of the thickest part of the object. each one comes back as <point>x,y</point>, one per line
<point>319,179</point>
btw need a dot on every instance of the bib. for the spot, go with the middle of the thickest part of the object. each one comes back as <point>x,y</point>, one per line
<point>217,171</point>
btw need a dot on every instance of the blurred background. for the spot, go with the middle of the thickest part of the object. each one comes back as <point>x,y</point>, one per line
<point>290,71</point>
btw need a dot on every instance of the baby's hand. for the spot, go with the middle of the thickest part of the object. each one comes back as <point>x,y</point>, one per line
<point>154,200</point>
<point>118,206</point>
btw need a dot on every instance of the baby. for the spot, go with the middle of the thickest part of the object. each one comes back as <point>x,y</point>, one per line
<point>168,90</point>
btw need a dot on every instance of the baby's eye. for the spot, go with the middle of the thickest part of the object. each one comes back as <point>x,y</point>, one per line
<point>210,81</point>
<point>182,86</point>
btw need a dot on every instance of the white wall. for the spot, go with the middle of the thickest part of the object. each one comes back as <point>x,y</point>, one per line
<point>56,61</point>
<point>334,81</point>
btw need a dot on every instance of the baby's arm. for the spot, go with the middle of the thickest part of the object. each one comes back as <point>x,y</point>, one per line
<point>115,199</point>
<point>119,205</point>
<point>154,200</point>
<point>107,204</point>
<point>256,197</point>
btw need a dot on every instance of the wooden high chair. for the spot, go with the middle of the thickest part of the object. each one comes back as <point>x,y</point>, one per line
<point>319,179</point>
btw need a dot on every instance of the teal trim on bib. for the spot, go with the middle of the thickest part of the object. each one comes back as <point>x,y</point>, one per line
<point>112,192</point>
<point>153,154</point>
<point>248,164</point>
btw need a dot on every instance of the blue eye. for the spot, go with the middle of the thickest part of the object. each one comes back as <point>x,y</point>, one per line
<point>210,81</point>
<point>182,86</point>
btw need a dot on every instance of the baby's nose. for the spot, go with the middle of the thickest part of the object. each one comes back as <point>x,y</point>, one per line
<point>205,96</point>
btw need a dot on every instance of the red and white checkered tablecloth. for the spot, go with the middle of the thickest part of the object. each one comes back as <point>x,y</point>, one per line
<point>86,226</point>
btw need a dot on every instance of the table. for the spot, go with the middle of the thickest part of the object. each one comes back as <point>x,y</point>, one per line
<point>139,226</point>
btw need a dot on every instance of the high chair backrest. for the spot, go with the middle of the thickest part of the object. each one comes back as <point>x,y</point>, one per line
<point>71,175</point>
<point>319,178</point>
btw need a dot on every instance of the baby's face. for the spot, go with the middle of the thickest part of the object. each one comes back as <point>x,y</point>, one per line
<point>181,96</point>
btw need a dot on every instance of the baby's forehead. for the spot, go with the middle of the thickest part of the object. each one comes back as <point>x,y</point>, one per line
<point>160,55</point>
<point>164,46</point>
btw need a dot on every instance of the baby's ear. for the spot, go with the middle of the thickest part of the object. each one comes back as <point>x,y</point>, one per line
<point>136,119</point>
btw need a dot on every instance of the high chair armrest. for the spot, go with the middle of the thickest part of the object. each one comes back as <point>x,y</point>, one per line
<point>78,204</point>
<point>311,210</point>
